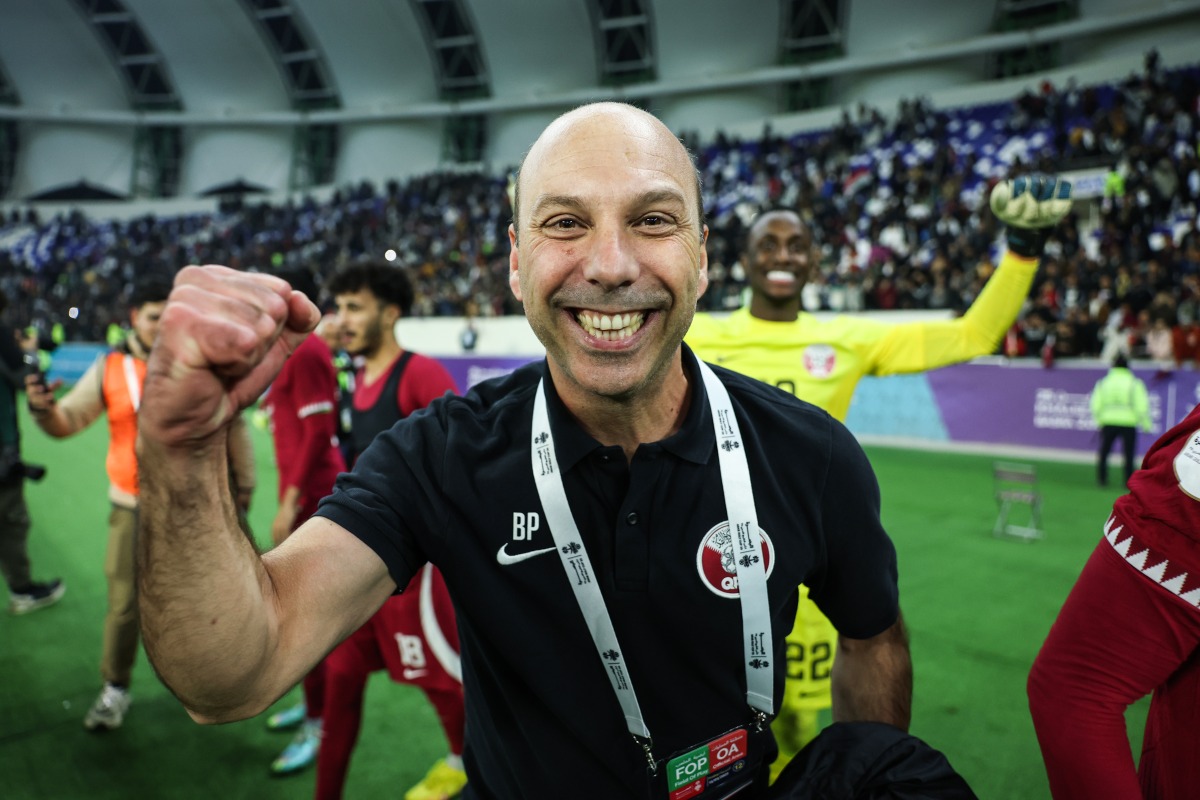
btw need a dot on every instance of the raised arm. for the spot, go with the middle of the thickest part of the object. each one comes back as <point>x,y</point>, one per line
<point>1030,207</point>
<point>229,632</point>
<point>872,678</point>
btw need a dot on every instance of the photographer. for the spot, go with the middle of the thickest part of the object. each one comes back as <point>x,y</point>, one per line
<point>26,594</point>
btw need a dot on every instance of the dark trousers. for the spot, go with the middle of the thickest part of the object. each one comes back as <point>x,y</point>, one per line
<point>14,532</point>
<point>1109,434</point>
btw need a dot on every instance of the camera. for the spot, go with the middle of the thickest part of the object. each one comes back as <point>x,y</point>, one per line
<point>31,472</point>
<point>34,367</point>
<point>12,469</point>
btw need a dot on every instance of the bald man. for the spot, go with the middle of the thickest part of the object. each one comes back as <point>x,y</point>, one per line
<point>616,524</point>
<point>774,340</point>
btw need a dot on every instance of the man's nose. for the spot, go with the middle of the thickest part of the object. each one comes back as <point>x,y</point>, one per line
<point>613,260</point>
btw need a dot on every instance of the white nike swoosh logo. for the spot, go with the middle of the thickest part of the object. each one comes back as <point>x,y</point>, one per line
<point>410,674</point>
<point>503,557</point>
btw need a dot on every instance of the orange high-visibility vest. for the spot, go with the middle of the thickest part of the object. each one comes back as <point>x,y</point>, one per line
<point>124,376</point>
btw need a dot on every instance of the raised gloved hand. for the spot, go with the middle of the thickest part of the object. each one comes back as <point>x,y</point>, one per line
<point>1030,207</point>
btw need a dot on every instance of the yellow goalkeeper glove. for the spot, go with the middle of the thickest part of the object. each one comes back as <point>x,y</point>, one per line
<point>1030,207</point>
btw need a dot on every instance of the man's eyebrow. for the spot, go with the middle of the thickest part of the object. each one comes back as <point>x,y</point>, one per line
<point>573,202</point>
<point>556,201</point>
<point>656,196</point>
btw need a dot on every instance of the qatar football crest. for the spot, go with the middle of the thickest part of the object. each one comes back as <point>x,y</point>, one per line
<point>1187,466</point>
<point>715,560</point>
<point>819,360</point>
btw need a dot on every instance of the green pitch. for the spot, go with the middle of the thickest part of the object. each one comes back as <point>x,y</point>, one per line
<point>977,609</point>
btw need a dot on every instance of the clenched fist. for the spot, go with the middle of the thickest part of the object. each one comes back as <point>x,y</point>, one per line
<point>223,337</point>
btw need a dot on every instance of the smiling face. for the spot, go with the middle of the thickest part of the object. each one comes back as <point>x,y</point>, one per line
<point>609,257</point>
<point>779,257</point>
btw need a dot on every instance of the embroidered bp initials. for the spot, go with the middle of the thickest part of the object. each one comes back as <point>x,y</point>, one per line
<point>524,525</point>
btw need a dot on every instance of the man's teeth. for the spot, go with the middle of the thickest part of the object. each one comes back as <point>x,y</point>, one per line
<point>781,275</point>
<point>611,327</point>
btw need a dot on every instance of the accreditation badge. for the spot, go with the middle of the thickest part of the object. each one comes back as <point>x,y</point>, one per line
<point>713,770</point>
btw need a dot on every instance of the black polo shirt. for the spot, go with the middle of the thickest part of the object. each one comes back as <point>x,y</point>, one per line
<point>453,484</point>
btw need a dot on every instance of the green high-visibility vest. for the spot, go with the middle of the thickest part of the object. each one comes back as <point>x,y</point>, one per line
<point>1120,398</point>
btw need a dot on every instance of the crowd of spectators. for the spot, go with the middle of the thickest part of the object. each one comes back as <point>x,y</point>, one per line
<point>1132,285</point>
<point>897,205</point>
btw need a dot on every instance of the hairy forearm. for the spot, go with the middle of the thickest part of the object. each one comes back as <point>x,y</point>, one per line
<point>230,631</point>
<point>872,679</point>
<point>204,595</point>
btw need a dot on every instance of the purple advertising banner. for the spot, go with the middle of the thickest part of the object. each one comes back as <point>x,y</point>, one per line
<point>71,360</point>
<point>1015,403</point>
<point>1046,407</point>
<point>470,370</point>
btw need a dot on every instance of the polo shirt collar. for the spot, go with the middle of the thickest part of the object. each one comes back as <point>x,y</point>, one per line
<point>693,441</point>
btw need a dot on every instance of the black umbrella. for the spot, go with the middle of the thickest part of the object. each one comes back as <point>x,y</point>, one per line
<point>82,189</point>
<point>236,188</point>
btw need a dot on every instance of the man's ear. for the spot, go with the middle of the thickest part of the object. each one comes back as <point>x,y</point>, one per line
<point>514,278</point>
<point>702,286</point>
<point>392,310</point>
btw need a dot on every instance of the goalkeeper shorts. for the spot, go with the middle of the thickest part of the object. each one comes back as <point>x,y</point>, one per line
<point>810,650</point>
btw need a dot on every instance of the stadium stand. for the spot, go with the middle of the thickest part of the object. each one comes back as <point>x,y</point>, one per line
<point>895,201</point>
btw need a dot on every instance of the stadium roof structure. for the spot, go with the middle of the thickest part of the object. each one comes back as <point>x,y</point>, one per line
<point>319,73</point>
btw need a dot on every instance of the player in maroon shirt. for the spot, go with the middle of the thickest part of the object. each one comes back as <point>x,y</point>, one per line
<point>414,635</point>
<point>302,406</point>
<point>1130,627</point>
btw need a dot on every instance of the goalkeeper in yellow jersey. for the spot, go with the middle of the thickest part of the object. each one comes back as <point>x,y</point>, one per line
<point>775,341</point>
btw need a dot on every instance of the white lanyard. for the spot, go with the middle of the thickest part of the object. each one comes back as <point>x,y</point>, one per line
<point>751,567</point>
<point>131,381</point>
<point>747,544</point>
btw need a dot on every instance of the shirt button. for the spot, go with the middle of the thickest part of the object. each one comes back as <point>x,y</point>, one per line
<point>632,518</point>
